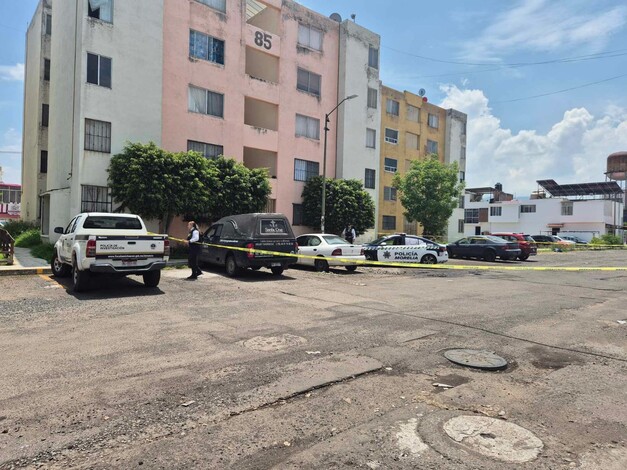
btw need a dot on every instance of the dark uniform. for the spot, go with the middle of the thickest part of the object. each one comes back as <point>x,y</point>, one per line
<point>194,252</point>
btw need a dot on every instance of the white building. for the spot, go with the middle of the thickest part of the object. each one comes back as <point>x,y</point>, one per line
<point>455,151</point>
<point>585,210</point>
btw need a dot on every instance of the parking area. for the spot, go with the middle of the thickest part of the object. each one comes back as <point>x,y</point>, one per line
<point>319,370</point>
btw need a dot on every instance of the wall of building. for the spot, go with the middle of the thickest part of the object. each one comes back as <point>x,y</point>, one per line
<point>455,151</point>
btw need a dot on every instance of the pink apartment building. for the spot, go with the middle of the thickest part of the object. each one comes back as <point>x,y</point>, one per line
<point>248,79</point>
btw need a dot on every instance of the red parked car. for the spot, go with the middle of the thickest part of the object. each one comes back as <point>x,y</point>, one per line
<point>528,246</point>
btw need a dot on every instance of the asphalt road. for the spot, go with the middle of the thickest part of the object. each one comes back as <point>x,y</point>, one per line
<point>318,370</point>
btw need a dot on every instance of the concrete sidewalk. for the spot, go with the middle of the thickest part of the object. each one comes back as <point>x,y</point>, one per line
<point>25,263</point>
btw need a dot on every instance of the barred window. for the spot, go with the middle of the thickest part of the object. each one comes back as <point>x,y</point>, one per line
<point>373,57</point>
<point>389,193</point>
<point>307,127</point>
<point>389,222</point>
<point>297,214</point>
<point>527,208</point>
<point>567,208</point>
<point>205,47</point>
<point>205,102</point>
<point>393,107</point>
<point>370,178</point>
<point>391,136</point>
<point>371,138</point>
<point>471,216</point>
<point>207,150</point>
<point>99,70</point>
<point>219,5</point>
<point>432,146</point>
<point>413,113</point>
<point>304,170</point>
<point>390,165</point>
<point>433,121</point>
<point>308,81</point>
<point>373,97</point>
<point>309,36</point>
<point>97,136</point>
<point>496,211</point>
<point>95,199</point>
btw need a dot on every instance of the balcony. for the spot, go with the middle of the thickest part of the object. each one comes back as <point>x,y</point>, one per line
<point>262,15</point>
<point>262,66</point>
<point>257,158</point>
<point>262,40</point>
<point>262,139</point>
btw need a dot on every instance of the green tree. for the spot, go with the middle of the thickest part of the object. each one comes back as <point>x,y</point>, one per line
<point>238,189</point>
<point>346,202</point>
<point>157,184</point>
<point>429,192</point>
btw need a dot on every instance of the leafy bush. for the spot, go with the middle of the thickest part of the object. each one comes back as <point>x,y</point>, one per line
<point>18,227</point>
<point>43,251</point>
<point>607,239</point>
<point>28,239</point>
<point>179,251</point>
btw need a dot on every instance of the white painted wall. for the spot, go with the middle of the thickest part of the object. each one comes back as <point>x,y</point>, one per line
<point>354,116</point>
<point>455,151</point>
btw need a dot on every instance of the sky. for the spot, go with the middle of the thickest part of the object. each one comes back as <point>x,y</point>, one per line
<point>544,82</point>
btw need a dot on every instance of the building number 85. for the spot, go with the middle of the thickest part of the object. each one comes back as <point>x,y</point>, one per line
<point>263,40</point>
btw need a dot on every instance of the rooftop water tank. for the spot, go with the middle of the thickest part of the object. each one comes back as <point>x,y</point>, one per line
<point>617,166</point>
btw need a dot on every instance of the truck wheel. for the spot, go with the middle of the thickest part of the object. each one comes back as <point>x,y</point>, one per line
<point>232,269</point>
<point>59,269</point>
<point>80,279</point>
<point>277,270</point>
<point>152,278</point>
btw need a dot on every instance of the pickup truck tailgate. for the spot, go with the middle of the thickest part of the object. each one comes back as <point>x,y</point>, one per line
<point>130,247</point>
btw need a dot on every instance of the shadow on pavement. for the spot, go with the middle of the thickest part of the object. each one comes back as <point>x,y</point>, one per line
<point>109,287</point>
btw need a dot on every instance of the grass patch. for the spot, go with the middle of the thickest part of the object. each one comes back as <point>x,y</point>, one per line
<point>28,239</point>
<point>43,251</point>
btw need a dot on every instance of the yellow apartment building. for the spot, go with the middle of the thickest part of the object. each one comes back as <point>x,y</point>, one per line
<point>411,128</point>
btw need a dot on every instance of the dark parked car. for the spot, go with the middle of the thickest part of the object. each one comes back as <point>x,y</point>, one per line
<point>486,247</point>
<point>237,234</point>
<point>528,246</point>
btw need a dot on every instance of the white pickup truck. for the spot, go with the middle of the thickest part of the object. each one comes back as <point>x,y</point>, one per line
<point>117,244</point>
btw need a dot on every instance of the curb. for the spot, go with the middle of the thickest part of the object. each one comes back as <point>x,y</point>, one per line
<point>25,271</point>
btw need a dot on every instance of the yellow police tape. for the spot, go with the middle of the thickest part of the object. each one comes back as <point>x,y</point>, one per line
<point>417,265</point>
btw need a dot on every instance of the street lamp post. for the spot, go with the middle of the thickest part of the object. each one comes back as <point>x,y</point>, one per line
<point>324,161</point>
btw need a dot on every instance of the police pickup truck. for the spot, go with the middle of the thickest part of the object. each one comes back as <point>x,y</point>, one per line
<point>104,243</point>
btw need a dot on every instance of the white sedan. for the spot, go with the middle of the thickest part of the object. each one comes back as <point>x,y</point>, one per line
<point>324,250</point>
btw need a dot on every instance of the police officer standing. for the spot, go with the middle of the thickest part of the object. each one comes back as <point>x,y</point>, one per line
<point>194,249</point>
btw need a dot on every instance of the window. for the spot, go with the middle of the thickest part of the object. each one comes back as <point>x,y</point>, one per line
<point>45,115</point>
<point>389,193</point>
<point>373,57</point>
<point>391,136</point>
<point>97,199</point>
<point>373,97</point>
<point>297,214</point>
<point>371,138</point>
<point>98,70</point>
<point>460,225</point>
<point>310,37</point>
<point>389,222</point>
<point>304,170</point>
<point>101,9</point>
<point>462,176</point>
<point>48,25</point>
<point>97,136</point>
<point>308,81</point>
<point>527,208</point>
<point>432,146</point>
<point>392,107</point>
<point>205,47</point>
<point>567,208</point>
<point>207,150</point>
<point>390,165</point>
<point>307,127</point>
<point>412,141</point>
<point>47,70</point>
<point>219,5</point>
<point>370,179</point>
<point>206,102</point>
<point>432,121</point>
<point>496,211</point>
<point>471,216</point>
<point>43,162</point>
<point>461,204</point>
<point>413,113</point>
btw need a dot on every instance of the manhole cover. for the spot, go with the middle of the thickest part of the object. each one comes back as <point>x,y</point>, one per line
<point>478,358</point>
<point>273,343</point>
<point>494,438</point>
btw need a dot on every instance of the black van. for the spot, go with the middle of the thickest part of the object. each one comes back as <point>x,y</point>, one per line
<point>270,232</point>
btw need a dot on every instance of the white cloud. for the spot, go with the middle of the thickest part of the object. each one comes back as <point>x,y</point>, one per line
<point>543,25</point>
<point>12,72</point>
<point>575,150</point>
<point>11,163</point>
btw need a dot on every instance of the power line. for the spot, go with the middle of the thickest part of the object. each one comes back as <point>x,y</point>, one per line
<point>561,91</point>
